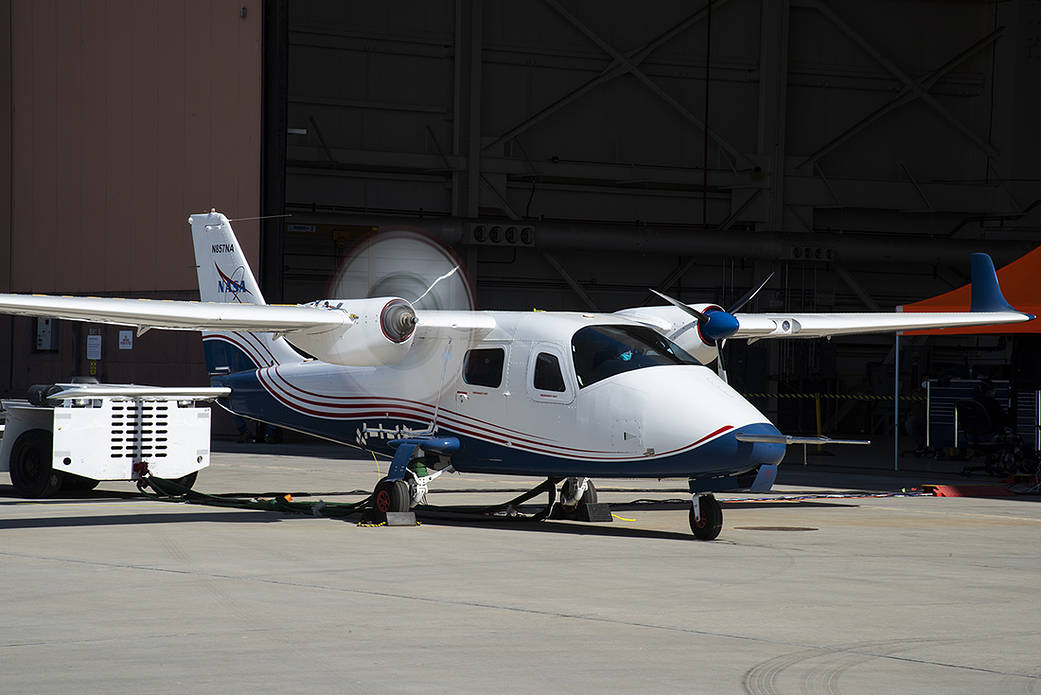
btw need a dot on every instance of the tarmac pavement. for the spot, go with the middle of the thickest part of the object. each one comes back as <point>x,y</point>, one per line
<point>111,592</point>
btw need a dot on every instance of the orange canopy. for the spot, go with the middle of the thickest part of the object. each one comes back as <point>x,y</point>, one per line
<point>1020,282</point>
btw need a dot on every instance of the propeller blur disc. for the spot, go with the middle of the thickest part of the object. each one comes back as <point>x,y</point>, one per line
<point>403,263</point>
<point>406,263</point>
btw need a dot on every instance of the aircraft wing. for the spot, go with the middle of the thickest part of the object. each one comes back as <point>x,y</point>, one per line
<point>794,325</point>
<point>213,316</point>
<point>430,320</point>
<point>988,307</point>
<point>175,315</point>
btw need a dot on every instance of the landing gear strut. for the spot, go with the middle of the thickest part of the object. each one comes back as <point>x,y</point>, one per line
<point>706,517</point>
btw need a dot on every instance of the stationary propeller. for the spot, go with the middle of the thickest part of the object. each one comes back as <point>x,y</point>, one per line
<point>714,325</point>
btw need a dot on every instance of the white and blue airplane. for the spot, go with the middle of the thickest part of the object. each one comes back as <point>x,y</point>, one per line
<point>561,395</point>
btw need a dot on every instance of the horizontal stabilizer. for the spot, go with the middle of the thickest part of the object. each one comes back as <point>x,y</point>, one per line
<point>193,393</point>
<point>790,439</point>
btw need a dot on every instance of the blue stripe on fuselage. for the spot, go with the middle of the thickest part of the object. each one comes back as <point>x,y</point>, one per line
<point>722,455</point>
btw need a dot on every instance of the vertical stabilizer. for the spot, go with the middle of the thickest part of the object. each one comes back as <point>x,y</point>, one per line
<point>224,274</point>
<point>225,277</point>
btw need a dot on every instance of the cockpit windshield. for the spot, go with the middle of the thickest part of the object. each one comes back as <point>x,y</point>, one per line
<point>603,351</point>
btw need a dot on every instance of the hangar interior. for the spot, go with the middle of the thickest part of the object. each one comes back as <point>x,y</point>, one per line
<point>572,154</point>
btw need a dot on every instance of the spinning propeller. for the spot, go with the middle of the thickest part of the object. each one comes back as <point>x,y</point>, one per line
<point>714,325</point>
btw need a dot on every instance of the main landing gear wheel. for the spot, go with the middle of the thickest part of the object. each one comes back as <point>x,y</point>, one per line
<point>570,501</point>
<point>707,528</point>
<point>31,472</point>
<point>569,491</point>
<point>391,496</point>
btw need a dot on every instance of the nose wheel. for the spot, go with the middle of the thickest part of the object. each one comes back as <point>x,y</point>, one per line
<point>390,496</point>
<point>706,517</point>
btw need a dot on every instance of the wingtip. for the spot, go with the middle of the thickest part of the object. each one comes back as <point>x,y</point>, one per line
<point>985,290</point>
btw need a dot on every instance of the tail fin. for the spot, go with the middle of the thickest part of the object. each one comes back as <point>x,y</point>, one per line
<point>225,277</point>
<point>986,292</point>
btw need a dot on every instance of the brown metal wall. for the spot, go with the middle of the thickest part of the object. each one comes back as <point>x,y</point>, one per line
<point>128,115</point>
<point>6,168</point>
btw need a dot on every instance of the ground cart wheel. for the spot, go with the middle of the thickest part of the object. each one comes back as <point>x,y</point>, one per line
<point>391,496</point>
<point>711,522</point>
<point>31,471</point>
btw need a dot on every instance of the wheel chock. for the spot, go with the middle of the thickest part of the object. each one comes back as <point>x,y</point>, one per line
<point>599,511</point>
<point>401,518</point>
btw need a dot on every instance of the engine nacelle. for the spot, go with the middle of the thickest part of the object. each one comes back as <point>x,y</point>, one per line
<point>380,333</point>
<point>703,353</point>
<point>669,319</point>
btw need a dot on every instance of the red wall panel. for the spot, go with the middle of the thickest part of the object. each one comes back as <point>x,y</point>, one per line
<point>123,117</point>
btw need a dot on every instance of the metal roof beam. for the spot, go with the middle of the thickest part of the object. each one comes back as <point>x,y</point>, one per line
<point>620,64</point>
<point>912,90</point>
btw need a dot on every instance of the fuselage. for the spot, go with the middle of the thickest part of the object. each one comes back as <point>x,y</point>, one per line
<point>553,394</point>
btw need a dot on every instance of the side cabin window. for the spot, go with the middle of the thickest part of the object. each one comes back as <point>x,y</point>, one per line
<point>603,351</point>
<point>547,373</point>
<point>483,367</point>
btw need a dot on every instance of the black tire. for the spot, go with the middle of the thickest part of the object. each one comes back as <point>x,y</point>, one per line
<point>391,496</point>
<point>711,519</point>
<point>569,487</point>
<point>31,472</point>
<point>567,490</point>
<point>77,483</point>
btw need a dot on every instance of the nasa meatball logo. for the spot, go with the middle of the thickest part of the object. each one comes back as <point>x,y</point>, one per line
<point>233,284</point>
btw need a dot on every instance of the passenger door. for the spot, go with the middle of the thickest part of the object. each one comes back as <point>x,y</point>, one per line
<point>483,386</point>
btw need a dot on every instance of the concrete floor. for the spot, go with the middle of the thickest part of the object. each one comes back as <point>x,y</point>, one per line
<point>113,593</point>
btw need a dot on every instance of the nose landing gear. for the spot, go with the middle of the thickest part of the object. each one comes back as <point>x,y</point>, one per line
<point>390,496</point>
<point>706,517</point>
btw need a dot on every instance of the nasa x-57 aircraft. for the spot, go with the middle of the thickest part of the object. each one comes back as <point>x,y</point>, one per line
<point>563,395</point>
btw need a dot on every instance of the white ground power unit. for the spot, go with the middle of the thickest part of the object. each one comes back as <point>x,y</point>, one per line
<point>72,436</point>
